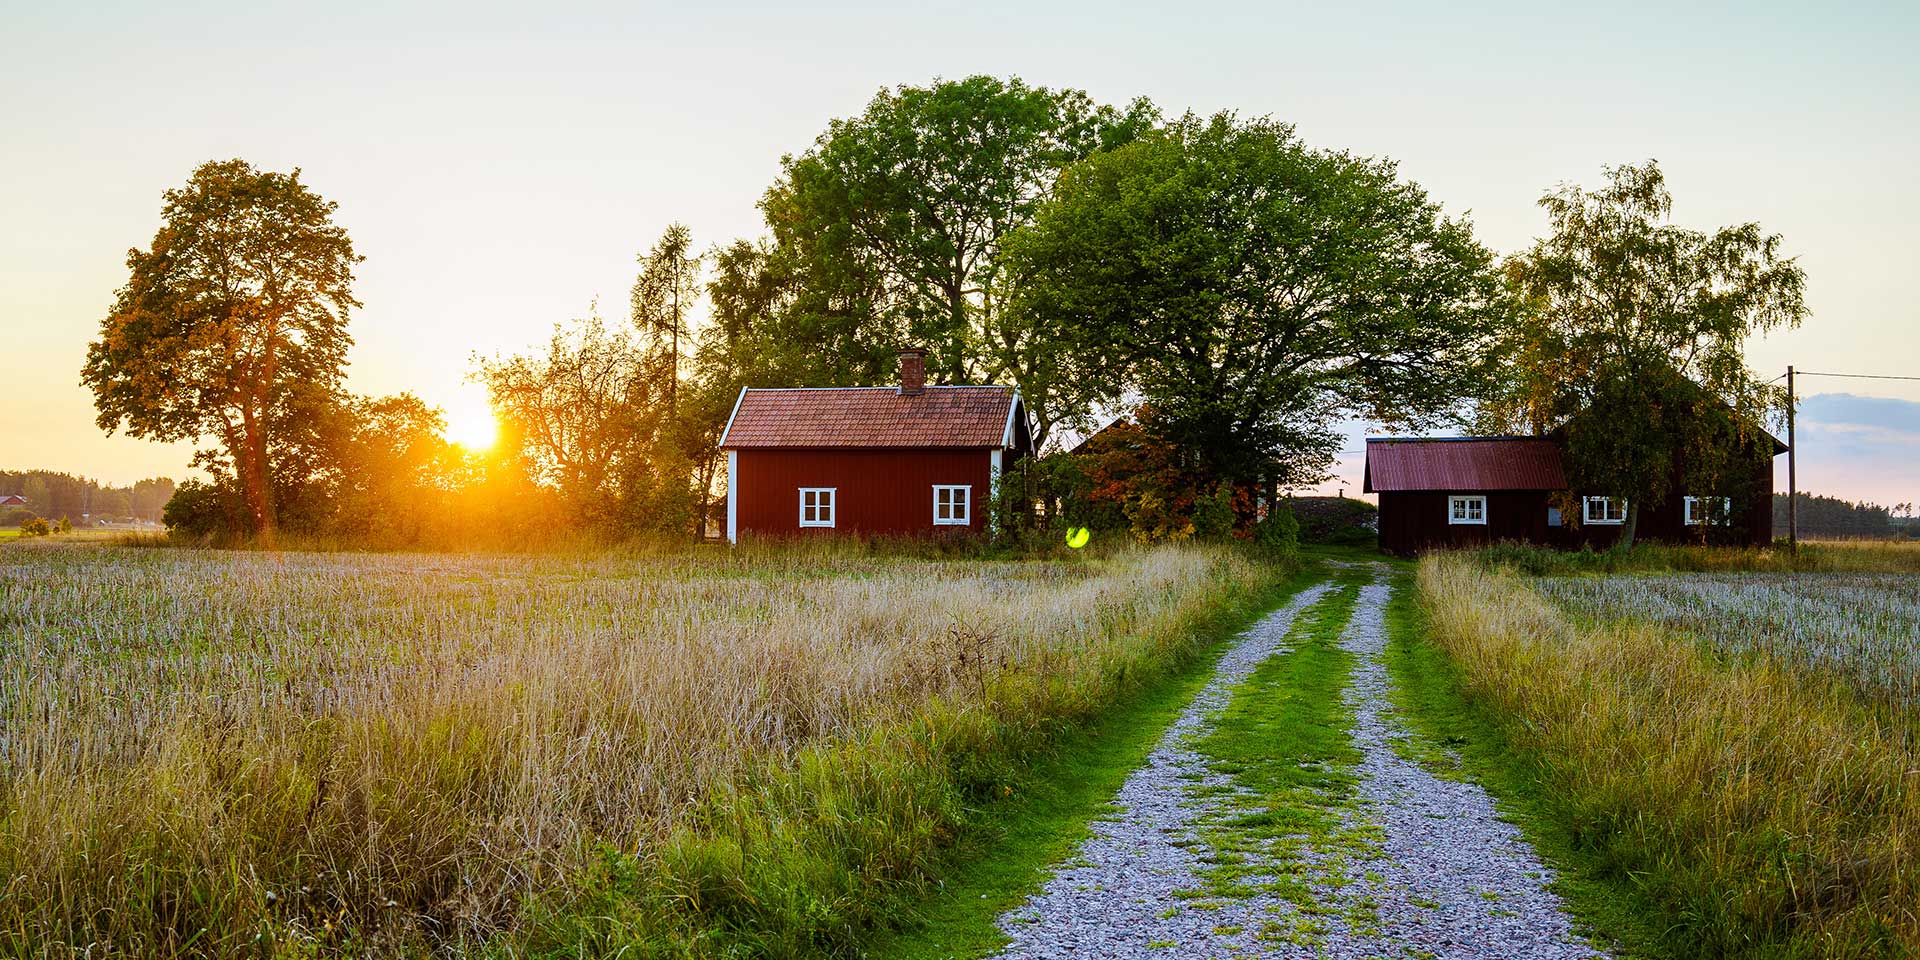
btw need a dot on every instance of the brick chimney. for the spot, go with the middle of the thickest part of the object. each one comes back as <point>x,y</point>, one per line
<point>913,371</point>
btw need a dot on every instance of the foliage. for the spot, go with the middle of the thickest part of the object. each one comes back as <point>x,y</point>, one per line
<point>1833,517</point>
<point>887,232</point>
<point>62,494</point>
<point>35,527</point>
<point>202,510</point>
<point>1214,517</point>
<point>1249,287</point>
<point>585,416</point>
<point>1764,809</point>
<point>238,308</point>
<point>1632,334</point>
<point>1277,535</point>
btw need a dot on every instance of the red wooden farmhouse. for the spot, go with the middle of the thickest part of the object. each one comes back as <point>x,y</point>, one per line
<point>904,460</point>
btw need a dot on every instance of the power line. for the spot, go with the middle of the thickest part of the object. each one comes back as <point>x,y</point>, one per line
<point>1850,376</point>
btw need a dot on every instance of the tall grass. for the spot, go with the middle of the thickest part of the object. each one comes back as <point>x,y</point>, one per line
<point>1863,627</point>
<point>1765,811</point>
<point>686,753</point>
<point>1854,556</point>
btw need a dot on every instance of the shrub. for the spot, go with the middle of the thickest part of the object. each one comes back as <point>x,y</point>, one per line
<point>1278,536</point>
<point>1213,516</point>
<point>201,510</point>
<point>35,527</point>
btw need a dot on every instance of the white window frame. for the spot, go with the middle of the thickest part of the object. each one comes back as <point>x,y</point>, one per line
<point>830,503</point>
<point>1460,511</point>
<point>964,517</point>
<point>1691,509</point>
<point>1606,506</point>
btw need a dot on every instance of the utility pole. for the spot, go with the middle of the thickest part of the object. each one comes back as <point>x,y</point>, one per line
<point>1793,486</point>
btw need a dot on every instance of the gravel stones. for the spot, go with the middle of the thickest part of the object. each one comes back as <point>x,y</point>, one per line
<point>1440,875</point>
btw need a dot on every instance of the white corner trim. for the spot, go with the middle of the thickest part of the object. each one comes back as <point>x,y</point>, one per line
<point>993,485</point>
<point>733,499</point>
<point>730,416</point>
<point>1006,434</point>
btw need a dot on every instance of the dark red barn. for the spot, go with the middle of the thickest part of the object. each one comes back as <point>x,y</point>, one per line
<point>905,460</point>
<point>1462,491</point>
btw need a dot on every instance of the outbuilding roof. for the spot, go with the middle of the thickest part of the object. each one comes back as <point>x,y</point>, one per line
<point>845,417</point>
<point>1464,463</point>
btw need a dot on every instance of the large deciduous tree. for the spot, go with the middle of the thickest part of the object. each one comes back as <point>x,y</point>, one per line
<point>888,230</point>
<point>1633,333</point>
<point>1251,288</point>
<point>240,303</point>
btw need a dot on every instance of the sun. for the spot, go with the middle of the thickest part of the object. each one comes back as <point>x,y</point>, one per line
<point>470,419</point>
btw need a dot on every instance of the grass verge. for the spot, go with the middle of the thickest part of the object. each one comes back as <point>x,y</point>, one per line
<point>1753,811</point>
<point>1005,857</point>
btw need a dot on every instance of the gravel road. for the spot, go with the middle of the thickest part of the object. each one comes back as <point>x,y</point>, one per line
<point>1435,873</point>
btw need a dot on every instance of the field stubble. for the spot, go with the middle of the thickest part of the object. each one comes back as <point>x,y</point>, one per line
<point>215,753</point>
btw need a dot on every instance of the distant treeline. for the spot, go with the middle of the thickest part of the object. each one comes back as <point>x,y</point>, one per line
<point>55,495</point>
<point>1834,517</point>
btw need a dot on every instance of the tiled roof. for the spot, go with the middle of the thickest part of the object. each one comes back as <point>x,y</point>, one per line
<point>1464,463</point>
<point>870,417</point>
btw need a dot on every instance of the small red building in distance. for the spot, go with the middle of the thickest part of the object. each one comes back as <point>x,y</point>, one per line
<point>903,460</point>
<point>1466,491</point>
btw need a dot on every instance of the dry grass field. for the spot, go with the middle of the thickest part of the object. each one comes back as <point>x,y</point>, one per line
<point>1740,748</point>
<point>217,753</point>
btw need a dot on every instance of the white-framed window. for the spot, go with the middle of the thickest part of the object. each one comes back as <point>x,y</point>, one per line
<point>1715,510</point>
<point>816,506</point>
<point>1467,510</point>
<point>952,505</point>
<point>1603,509</point>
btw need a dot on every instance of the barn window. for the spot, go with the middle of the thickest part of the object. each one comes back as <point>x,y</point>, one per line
<point>1604,509</point>
<point>816,506</point>
<point>1714,510</point>
<point>1467,510</point>
<point>952,506</point>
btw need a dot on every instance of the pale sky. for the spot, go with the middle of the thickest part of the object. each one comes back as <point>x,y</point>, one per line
<point>500,168</point>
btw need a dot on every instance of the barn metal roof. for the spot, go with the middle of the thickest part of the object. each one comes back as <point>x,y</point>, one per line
<point>1464,463</point>
<point>872,417</point>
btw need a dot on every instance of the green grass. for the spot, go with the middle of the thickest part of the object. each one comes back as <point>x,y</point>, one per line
<point>1047,817</point>
<point>1462,740</point>
<point>1283,740</point>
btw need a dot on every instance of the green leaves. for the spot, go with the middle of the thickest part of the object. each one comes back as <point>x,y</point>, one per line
<point>242,299</point>
<point>1639,326</point>
<point>1250,288</point>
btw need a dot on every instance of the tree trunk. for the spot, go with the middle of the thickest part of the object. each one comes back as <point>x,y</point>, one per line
<point>251,466</point>
<point>1633,520</point>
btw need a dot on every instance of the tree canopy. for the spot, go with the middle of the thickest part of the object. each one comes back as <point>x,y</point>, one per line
<point>887,232</point>
<point>1251,288</point>
<point>240,304</point>
<point>1633,333</point>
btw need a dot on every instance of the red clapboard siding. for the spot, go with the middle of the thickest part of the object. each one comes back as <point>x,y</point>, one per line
<point>878,491</point>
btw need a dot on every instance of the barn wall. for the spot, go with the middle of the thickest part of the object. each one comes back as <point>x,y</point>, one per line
<point>886,492</point>
<point>1415,520</point>
<point>1666,521</point>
